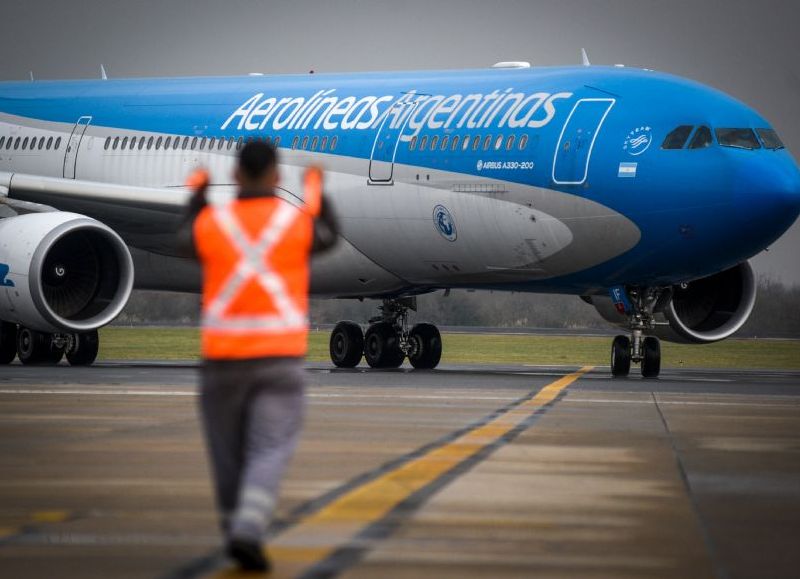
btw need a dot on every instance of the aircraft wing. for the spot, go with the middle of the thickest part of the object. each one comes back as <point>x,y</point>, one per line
<point>145,217</point>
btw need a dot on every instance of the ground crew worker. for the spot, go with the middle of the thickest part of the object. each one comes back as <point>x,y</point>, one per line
<point>254,254</point>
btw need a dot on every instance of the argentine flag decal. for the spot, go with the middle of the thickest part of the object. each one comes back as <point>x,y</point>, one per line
<point>627,170</point>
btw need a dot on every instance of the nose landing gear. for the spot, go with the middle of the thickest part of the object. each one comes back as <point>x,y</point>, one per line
<point>639,349</point>
<point>387,341</point>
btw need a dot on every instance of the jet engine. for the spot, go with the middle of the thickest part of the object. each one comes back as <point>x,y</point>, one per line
<point>702,311</point>
<point>62,272</point>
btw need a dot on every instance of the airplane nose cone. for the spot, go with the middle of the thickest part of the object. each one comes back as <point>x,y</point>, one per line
<point>768,198</point>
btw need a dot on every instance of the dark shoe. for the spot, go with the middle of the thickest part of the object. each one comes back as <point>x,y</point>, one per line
<point>249,555</point>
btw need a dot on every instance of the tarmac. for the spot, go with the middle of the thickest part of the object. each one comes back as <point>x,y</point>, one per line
<point>466,471</point>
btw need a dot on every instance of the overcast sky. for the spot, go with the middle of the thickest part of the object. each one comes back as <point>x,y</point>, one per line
<point>748,48</point>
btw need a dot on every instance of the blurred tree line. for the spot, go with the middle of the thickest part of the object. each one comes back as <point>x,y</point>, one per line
<point>776,314</point>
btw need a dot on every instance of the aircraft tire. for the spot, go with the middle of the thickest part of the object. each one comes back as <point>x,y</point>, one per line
<point>620,356</point>
<point>426,346</point>
<point>346,345</point>
<point>84,348</point>
<point>8,342</point>
<point>382,346</point>
<point>651,360</point>
<point>34,347</point>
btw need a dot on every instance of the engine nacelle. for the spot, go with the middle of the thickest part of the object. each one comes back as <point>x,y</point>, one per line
<point>63,272</point>
<point>703,311</point>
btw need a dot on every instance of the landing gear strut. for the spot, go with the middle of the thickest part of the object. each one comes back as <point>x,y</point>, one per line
<point>639,349</point>
<point>387,341</point>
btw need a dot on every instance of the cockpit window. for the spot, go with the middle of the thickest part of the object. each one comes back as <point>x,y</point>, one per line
<point>739,138</point>
<point>770,139</point>
<point>677,137</point>
<point>702,139</point>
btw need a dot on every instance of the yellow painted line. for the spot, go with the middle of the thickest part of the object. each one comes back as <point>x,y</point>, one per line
<point>40,517</point>
<point>319,535</point>
<point>50,516</point>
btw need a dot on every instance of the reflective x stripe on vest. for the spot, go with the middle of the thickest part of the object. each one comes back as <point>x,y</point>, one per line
<point>254,263</point>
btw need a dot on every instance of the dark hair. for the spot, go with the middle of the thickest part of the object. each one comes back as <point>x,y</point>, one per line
<point>257,158</point>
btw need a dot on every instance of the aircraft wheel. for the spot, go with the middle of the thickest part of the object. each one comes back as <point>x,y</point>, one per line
<point>382,346</point>
<point>34,347</point>
<point>426,346</point>
<point>8,342</point>
<point>620,356</point>
<point>347,345</point>
<point>84,348</point>
<point>651,357</point>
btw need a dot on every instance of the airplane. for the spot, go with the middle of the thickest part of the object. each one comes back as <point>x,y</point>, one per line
<point>643,193</point>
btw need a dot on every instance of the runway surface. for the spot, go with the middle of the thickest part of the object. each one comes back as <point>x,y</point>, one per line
<point>467,471</point>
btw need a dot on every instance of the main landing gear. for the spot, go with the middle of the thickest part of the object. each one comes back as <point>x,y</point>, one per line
<point>34,347</point>
<point>387,341</point>
<point>639,349</point>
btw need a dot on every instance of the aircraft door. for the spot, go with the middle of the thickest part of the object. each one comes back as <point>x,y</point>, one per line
<point>388,138</point>
<point>73,144</point>
<point>574,149</point>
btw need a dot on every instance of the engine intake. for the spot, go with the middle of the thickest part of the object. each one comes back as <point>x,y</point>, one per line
<point>712,308</point>
<point>69,273</point>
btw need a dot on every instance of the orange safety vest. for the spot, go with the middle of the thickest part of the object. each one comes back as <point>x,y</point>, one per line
<point>255,257</point>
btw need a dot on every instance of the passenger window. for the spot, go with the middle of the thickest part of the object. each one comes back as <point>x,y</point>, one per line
<point>465,144</point>
<point>434,142</point>
<point>510,142</point>
<point>124,143</point>
<point>133,143</point>
<point>240,144</point>
<point>334,140</point>
<point>770,139</point>
<point>476,141</point>
<point>33,143</point>
<point>106,145</point>
<point>41,143</point>
<point>116,143</point>
<point>230,143</point>
<point>295,141</point>
<point>412,144</point>
<point>487,142</point>
<point>2,141</point>
<point>141,143</point>
<point>10,139</point>
<point>444,143</point>
<point>738,138</point>
<point>150,143</point>
<point>523,142</point>
<point>498,143</point>
<point>211,143</point>
<point>454,144</point>
<point>676,139</point>
<point>305,143</point>
<point>58,143</point>
<point>194,143</point>
<point>25,143</point>
<point>16,143</point>
<point>278,142</point>
<point>50,142</point>
<point>185,144</point>
<point>423,143</point>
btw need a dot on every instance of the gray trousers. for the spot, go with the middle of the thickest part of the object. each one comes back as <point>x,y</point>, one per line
<point>252,415</point>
